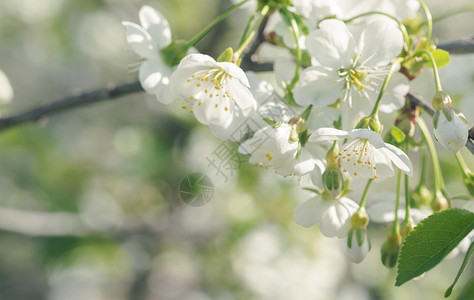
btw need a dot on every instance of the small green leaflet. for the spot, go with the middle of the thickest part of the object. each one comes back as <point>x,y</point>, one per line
<point>463,266</point>
<point>431,241</point>
<point>441,57</point>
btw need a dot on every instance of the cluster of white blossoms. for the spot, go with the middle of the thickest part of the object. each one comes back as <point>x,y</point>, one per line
<point>338,63</point>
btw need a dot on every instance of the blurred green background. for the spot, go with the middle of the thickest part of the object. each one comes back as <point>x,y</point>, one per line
<point>89,205</point>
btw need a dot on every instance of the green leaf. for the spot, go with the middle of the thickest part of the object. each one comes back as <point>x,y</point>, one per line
<point>461,269</point>
<point>398,135</point>
<point>431,241</point>
<point>441,58</point>
<point>468,291</point>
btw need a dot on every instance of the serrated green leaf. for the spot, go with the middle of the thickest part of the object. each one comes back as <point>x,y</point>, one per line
<point>468,291</point>
<point>397,134</point>
<point>441,57</point>
<point>431,241</point>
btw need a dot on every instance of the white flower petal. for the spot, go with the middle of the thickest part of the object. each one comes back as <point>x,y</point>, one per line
<point>6,90</point>
<point>382,42</point>
<point>154,77</point>
<point>308,213</point>
<point>332,45</point>
<point>140,41</point>
<point>400,159</point>
<point>327,134</point>
<point>374,138</point>
<point>156,25</point>
<point>317,86</point>
<point>396,91</point>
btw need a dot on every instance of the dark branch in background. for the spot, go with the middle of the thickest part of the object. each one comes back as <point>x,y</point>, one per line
<point>427,107</point>
<point>248,60</point>
<point>111,92</point>
<point>463,46</point>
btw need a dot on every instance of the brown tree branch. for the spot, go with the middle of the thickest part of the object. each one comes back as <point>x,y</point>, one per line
<point>463,46</point>
<point>111,92</point>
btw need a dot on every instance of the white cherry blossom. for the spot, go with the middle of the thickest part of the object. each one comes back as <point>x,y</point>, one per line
<point>271,147</point>
<point>332,215</point>
<point>217,91</point>
<point>365,155</point>
<point>350,64</point>
<point>146,41</point>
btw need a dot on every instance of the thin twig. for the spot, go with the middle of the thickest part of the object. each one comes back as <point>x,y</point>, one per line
<point>111,92</point>
<point>464,46</point>
<point>423,104</point>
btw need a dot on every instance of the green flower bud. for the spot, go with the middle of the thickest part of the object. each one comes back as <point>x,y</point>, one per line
<point>333,180</point>
<point>439,203</point>
<point>421,196</point>
<point>391,247</point>
<point>406,227</point>
<point>441,101</point>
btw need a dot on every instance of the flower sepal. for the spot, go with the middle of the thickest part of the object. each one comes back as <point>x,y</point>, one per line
<point>174,52</point>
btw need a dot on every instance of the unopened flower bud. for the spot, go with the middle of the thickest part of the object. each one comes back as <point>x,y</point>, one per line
<point>450,129</point>
<point>406,227</point>
<point>391,247</point>
<point>439,203</point>
<point>358,244</point>
<point>333,180</point>
<point>421,196</point>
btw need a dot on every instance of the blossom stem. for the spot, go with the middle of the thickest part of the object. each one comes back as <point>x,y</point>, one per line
<point>467,174</point>
<point>296,34</point>
<point>247,37</point>
<point>452,12</point>
<point>402,27</point>
<point>407,192</point>
<point>247,28</point>
<point>216,21</point>
<point>438,179</point>
<point>375,110</point>
<point>364,195</point>
<point>435,68</point>
<point>397,199</point>
<point>429,20</point>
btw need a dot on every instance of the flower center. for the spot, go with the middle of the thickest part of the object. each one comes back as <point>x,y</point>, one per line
<point>212,85</point>
<point>357,159</point>
<point>361,78</point>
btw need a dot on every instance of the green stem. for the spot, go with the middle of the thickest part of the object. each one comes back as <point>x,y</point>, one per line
<point>453,12</point>
<point>397,199</point>
<point>245,40</point>
<point>216,21</point>
<point>296,34</point>
<point>438,179</point>
<point>435,68</point>
<point>407,192</point>
<point>247,28</point>
<point>375,110</point>
<point>462,164</point>
<point>429,20</point>
<point>364,195</point>
<point>402,27</point>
